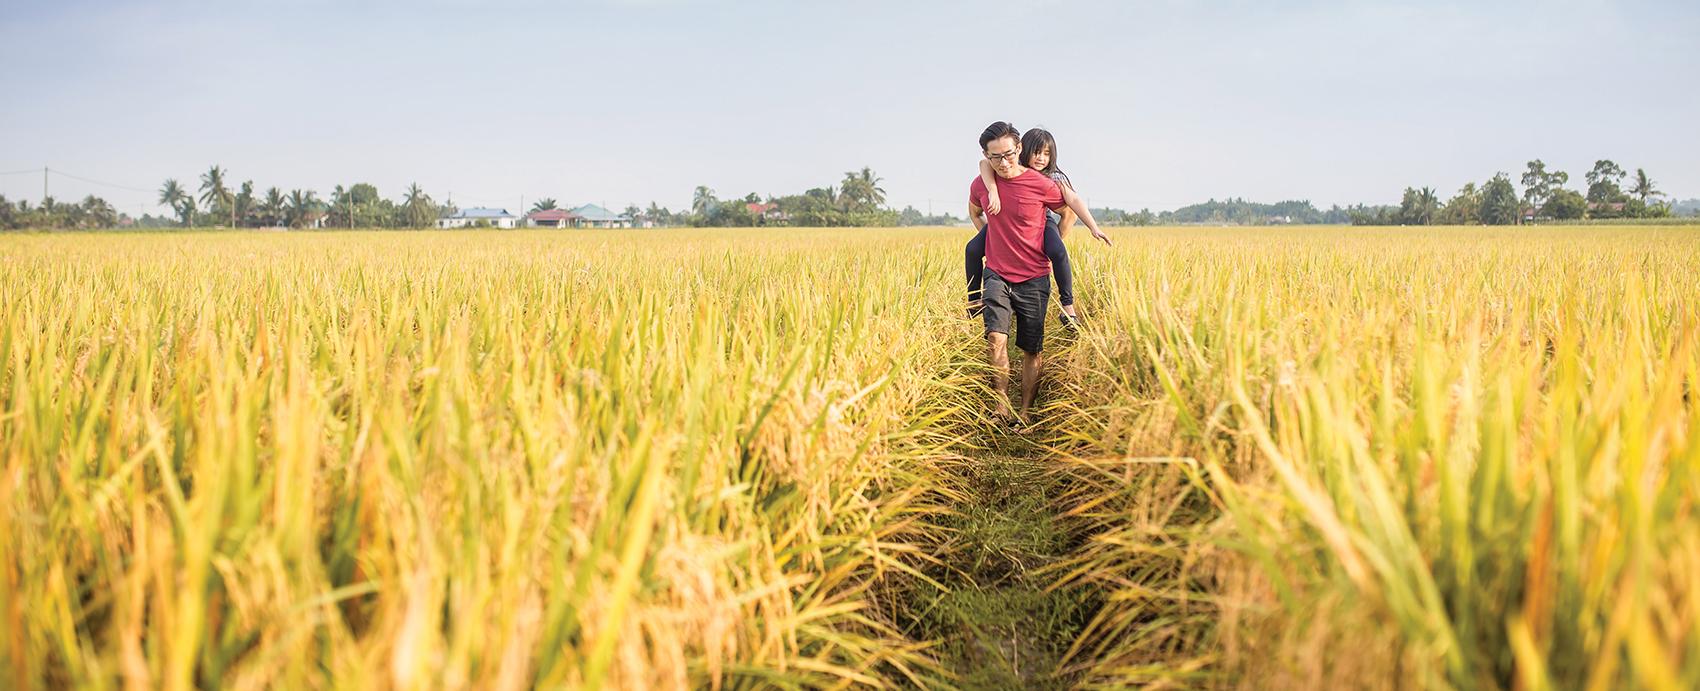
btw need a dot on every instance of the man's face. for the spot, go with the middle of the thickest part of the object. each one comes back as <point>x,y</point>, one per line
<point>1005,155</point>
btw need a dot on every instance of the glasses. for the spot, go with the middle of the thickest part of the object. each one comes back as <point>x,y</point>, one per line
<point>1005,157</point>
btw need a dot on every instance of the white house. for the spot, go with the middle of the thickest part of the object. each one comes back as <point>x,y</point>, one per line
<point>499,218</point>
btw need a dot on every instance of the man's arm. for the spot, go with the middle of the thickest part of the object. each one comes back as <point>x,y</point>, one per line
<point>1079,206</point>
<point>976,216</point>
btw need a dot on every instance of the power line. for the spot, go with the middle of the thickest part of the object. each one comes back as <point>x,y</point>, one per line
<point>98,182</point>
<point>22,172</point>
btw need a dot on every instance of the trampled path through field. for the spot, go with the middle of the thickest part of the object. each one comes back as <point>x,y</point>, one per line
<point>1002,624</point>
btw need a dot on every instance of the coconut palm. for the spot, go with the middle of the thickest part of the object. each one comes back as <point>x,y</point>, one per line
<point>300,207</point>
<point>544,204</point>
<point>99,213</point>
<point>860,190</point>
<point>272,207</point>
<point>870,184</point>
<point>1428,205</point>
<point>1643,186</point>
<point>703,201</point>
<point>48,212</point>
<point>243,206</point>
<point>417,207</point>
<point>215,195</point>
<point>173,195</point>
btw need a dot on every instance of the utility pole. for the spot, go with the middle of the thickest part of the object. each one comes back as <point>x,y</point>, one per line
<point>44,183</point>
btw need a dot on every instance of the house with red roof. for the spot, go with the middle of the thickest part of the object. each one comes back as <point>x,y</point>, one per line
<point>552,218</point>
<point>765,213</point>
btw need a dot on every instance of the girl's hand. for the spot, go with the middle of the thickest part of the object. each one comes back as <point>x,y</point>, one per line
<point>1101,236</point>
<point>992,205</point>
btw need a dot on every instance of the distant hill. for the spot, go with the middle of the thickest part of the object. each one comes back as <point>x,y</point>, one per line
<point>1686,207</point>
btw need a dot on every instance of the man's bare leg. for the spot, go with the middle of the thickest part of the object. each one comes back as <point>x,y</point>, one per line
<point>1030,364</point>
<point>997,351</point>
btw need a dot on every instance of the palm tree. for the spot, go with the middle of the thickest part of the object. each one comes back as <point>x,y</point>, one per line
<point>850,193</point>
<point>1462,209</point>
<point>244,204</point>
<point>214,194</point>
<point>1643,187</point>
<point>341,199</point>
<point>49,211</point>
<point>860,191</point>
<point>99,212</point>
<point>173,195</point>
<point>1427,205</point>
<point>272,207</point>
<point>703,201</point>
<point>417,207</point>
<point>301,205</point>
<point>544,204</point>
<point>870,185</point>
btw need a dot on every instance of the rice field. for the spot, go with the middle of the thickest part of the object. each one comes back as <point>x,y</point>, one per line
<point>1296,458</point>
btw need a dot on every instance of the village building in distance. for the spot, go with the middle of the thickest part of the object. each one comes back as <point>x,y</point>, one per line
<point>587,216</point>
<point>479,216</point>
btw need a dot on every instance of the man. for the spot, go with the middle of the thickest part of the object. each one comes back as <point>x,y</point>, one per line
<point>1017,279</point>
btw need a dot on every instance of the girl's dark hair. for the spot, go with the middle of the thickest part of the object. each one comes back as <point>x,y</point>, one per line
<point>1032,142</point>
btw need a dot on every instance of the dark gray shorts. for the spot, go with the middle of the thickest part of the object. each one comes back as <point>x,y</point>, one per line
<point>1025,301</point>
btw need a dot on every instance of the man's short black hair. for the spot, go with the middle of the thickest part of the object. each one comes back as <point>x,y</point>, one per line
<point>998,130</point>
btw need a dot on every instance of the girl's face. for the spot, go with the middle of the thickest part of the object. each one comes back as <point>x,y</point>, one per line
<point>1041,159</point>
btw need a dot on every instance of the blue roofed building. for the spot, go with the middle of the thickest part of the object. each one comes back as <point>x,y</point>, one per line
<point>593,216</point>
<point>479,216</point>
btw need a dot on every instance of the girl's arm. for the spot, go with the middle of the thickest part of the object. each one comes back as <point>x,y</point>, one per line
<point>991,180</point>
<point>1079,206</point>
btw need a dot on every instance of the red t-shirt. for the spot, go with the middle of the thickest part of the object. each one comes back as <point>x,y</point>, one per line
<point>1015,236</point>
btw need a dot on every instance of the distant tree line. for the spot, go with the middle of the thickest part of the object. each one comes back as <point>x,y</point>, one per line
<point>1231,211</point>
<point>1544,197</point>
<point>857,200</point>
<point>214,203</point>
<point>91,212</point>
<point>910,216</point>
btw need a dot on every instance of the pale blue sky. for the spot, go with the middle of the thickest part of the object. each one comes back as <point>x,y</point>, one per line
<point>1154,104</point>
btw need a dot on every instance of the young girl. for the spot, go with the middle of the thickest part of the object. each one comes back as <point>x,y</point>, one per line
<point>1039,152</point>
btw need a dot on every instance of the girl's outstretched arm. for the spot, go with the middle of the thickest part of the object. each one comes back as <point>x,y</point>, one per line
<point>991,180</point>
<point>1079,206</point>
